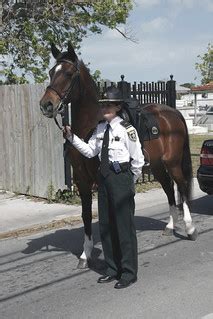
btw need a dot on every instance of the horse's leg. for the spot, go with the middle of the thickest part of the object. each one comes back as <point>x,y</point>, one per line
<point>84,184</point>
<point>86,201</point>
<point>182,188</point>
<point>84,176</point>
<point>190,228</point>
<point>167,184</point>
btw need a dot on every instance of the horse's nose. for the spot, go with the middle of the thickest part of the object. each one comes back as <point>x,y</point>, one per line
<point>47,107</point>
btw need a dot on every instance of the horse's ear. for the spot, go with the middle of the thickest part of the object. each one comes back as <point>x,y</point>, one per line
<point>55,51</point>
<point>71,52</point>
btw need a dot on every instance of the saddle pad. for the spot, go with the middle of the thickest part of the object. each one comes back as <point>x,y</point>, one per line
<point>144,121</point>
<point>147,126</point>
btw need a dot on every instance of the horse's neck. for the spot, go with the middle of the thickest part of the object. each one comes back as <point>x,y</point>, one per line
<point>85,117</point>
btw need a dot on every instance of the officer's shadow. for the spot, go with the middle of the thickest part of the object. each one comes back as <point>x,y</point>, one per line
<point>71,240</point>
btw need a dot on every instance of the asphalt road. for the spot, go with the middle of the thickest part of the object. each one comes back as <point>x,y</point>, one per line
<point>39,278</point>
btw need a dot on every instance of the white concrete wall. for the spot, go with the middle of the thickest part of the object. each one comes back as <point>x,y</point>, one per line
<point>189,98</point>
<point>188,114</point>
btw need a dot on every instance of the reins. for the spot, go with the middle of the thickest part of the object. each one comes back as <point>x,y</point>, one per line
<point>56,122</point>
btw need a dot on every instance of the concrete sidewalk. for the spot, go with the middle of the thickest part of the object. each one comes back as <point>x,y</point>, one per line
<point>21,215</point>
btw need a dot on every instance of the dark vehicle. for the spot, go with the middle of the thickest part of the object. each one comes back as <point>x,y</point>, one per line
<point>210,110</point>
<point>205,171</point>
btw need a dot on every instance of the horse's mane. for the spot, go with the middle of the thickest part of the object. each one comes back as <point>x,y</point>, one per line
<point>87,80</point>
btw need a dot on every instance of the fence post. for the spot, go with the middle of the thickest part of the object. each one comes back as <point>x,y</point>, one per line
<point>125,88</point>
<point>171,92</point>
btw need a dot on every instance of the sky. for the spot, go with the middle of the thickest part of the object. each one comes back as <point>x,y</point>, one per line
<point>170,34</point>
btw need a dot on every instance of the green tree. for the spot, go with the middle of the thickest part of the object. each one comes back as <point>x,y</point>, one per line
<point>205,67</point>
<point>97,76</point>
<point>29,26</point>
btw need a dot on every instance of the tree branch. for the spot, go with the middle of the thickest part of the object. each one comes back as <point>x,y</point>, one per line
<point>131,38</point>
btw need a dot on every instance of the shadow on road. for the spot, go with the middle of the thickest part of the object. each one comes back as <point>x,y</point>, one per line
<point>203,205</point>
<point>71,240</point>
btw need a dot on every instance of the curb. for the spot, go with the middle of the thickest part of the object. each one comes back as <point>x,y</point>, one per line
<point>34,229</point>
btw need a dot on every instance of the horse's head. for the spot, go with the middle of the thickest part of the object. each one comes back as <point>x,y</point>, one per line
<point>63,87</point>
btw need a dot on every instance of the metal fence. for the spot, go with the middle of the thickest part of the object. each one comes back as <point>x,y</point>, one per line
<point>163,92</point>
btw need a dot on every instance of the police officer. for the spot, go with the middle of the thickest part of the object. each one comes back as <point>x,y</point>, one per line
<point>117,144</point>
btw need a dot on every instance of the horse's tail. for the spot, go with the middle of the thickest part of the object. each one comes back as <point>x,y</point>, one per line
<point>187,163</point>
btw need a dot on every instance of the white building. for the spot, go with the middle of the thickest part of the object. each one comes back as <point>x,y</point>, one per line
<point>193,104</point>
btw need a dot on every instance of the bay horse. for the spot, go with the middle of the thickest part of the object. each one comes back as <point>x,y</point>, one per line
<point>169,154</point>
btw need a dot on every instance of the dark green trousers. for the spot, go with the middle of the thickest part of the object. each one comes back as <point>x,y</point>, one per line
<point>116,208</point>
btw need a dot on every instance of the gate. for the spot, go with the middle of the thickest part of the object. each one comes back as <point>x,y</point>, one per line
<point>163,92</point>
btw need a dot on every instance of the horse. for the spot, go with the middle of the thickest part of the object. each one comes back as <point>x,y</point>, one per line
<point>169,154</point>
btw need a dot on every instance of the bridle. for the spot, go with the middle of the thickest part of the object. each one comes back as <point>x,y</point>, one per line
<point>66,97</point>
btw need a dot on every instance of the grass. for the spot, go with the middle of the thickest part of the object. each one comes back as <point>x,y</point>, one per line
<point>196,142</point>
<point>144,187</point>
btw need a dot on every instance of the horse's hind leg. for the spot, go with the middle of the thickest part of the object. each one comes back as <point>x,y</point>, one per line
<point>183,189</point>
<point>167,184</point>
<point>190,228</point>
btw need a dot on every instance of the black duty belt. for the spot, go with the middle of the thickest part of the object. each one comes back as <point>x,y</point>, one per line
<point>119,167</point>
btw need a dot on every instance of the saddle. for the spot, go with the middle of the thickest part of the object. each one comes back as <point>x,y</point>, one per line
<point>144,121</point>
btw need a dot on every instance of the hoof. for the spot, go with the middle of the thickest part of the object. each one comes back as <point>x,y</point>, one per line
<point>82,264</point>
<point>168,232</point>
<point>193,236</point>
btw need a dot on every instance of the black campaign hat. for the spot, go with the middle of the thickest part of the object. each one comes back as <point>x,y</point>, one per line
<point>112,94</point>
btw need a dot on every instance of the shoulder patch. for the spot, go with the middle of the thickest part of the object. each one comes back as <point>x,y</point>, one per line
<point>130,130</point>
<point>126,124</point>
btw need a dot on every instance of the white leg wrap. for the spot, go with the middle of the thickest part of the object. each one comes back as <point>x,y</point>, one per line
<point>88,246</point>
<point>172,217</point>
<point>188,219</point>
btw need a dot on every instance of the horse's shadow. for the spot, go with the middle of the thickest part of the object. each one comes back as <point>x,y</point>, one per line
<point>71,240</point>
<point>203,205</point>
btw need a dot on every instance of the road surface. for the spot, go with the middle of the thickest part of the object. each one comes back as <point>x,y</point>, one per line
<point>39,278</point>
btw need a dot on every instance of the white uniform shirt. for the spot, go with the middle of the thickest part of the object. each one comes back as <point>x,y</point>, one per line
<point>122,146</point>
